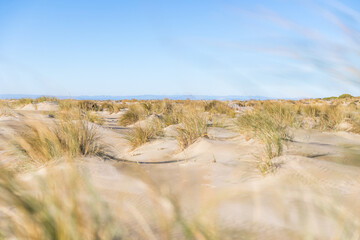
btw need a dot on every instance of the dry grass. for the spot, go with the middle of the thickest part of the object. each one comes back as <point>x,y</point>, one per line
<point>38,143</point>
<point>139,135</point>
<point>67,105</point>
<point>270,124</point>
<point>46,99</point>
<point>164,106</point>
<point>90,105</point>
<point>111,107</point>
<point>139,111</point>
<point>67,137</point>
<point>194,126</point>
<point>94,118</point>
<point>189,114</point>
<point>262,126</point>
<point>5,109</point>
<point>25,101</point>
<point>131,116</point>
<point>78,137</point>
<point>173,116</point>
<point>21,102</point>
<point>64,207</point>
<point>62,204</point>
<point>218,107</point>
<point>327,117</point>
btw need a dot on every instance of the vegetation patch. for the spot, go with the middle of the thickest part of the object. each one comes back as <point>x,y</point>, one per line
<point>219,108</point>
<point>67,137</point>
<point>131,116</point>
<point>193,126</point>
<point>139,135</point>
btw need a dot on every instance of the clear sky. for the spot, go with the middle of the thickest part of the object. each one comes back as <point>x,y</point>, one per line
<point>273,48</point>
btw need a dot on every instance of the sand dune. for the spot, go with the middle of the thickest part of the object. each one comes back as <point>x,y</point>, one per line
<point>317,178</point>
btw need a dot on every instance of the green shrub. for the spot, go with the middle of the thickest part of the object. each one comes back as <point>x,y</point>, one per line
<point>345,95</point>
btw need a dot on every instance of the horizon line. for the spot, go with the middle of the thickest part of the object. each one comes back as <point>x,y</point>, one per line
<point>149,97</point>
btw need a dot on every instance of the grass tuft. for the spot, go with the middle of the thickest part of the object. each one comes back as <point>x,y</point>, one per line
<point>67,137</point>
<point>64,207</point>
<point>220,108</point>
<point>5,109</point>
<point>269,124</point>
<point>131,116</point>
<point>139,135</point>
<point>193,127</point>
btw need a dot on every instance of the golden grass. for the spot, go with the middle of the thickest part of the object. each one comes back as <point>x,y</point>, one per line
<point>189,114</point>
<point>111,107</point>
<point>173,116</point>
<point>193,126</point>
<point>131,116</point>
<point>271,122</point>
<point>5,109</point>
<point>219,107</point>
<point>21,102</point>
<point>139,111</point>
<point>66,207</point>
<point>67,137</point>
<point>78,137</point>
<point>90,105</point>
<point>38,143</point>
<point>94,118</point>
<point>67,104</point>
<point>62,204</point>
<point>263,126</point>
<point>63,207</point>
<point>328,117</point>
<point>25,101</point>
<point>139,135</point>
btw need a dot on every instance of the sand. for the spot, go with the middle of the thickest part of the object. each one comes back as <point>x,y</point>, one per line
<point>317,177</point>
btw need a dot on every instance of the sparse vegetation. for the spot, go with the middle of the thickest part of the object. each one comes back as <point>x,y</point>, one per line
<point>219,107</point>
<point>95,118</point>
<point>32,210</point>
<point>67,137</point>
<point>87,105</point>
<point>111,107</point>
<point>325,117</point>
<point>269,124</point>
<point>173,116</point>
<point>64,207</point>
<point>193,127</point>
<point>131,116</point>
<point>139,135</point>
<point>5,109</point>
<point>345,95</point>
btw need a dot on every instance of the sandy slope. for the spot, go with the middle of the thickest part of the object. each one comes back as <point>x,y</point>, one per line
<point>318,179</point>
<point>43,106</point>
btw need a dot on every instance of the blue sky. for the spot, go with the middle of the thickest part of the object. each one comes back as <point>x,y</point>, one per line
<point>273,48</point>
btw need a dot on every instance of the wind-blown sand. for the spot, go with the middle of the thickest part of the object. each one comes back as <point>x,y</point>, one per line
<point>317,177</point>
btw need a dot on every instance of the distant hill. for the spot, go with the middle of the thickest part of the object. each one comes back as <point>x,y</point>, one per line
<point>140,97</point>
